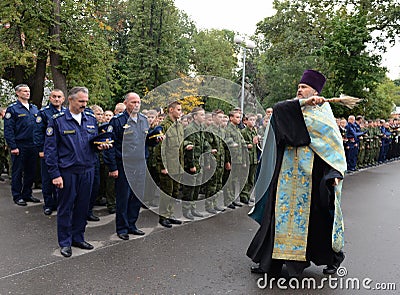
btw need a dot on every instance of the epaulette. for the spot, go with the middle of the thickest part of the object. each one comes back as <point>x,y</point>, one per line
<point>118,115</point>
<point>89,114</point>
<point>143,115</point>
<point>58,115</point>
<point>13,104</point>
<point>45,108</point>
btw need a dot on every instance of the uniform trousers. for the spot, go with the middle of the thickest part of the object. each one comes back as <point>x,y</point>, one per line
<point>48,189</point>
<point>23,172</point>
<point>73,205</point>
<point>127,203</point>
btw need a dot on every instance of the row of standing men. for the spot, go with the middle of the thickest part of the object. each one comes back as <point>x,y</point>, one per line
<point>67,141</point>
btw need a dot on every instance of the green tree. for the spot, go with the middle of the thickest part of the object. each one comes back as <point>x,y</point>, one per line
<point>213,53</point>
<point>334,37</point>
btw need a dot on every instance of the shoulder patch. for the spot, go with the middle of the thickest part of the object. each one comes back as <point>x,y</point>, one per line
<point>38,119</point>
<point>55,116</point>
<point>110,128</point>
<point>49,131</point>
<point>8,115</point>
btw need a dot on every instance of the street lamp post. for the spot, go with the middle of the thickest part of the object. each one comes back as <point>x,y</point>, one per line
<point>244,45</point>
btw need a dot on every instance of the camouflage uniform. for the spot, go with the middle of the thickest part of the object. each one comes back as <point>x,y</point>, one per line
<point>215,137</point>
<point>235,145</point>
<point>169,155</point>
<point>194,135</point>
<point>248,135</point>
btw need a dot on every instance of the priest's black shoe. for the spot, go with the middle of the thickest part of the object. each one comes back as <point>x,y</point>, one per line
<point>236,204</point>
<point>257,269</point>
<point>231,206</point>
<point>83,245</point>
<point>20,202</point>
<point>173,220</point>
<point>165,223</point>
<point>124,237</point>
<point>137,232</point>
<point>66,251</point>
<point>329,270</point>
<point>47,211</point>
<point>32,199</point>
<point>93,218</point>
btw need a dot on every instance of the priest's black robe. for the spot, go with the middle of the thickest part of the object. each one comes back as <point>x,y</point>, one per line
<point>290,129</point>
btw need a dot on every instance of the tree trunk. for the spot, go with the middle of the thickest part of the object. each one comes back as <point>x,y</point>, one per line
<point>59,79</point>
<point>38,79</point>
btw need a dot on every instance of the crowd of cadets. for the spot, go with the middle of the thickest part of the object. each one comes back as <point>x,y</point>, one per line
<point>369,143</point>
<point>232,145</point>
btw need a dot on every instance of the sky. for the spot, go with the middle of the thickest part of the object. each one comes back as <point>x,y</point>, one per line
<point>242,17</point>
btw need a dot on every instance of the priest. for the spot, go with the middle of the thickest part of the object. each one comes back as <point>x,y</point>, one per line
<point>298,191</point>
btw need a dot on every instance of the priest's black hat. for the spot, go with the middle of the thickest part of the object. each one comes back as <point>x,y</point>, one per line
<point>314,79</point>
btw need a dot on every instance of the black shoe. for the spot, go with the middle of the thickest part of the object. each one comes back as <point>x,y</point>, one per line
<point>20,202</point>
<point>93,218</point>
<point>111,211</point>
<point>188,215</point>
<point>173,220</point>
<point>236,204</point>
<point>246,202</point>
<point>83,245</point>
<point>66,251</point>
<point>196,213</point>
<point>137,232</point>
<point>257,269</point>
<point>165,223</point>
<point>218,208</point>
<point>124,237</point>
<point>231,206</point>
<point>212,211</point>
<point>2,179</point>
<point>47,211</point>
<point>329,270</point>
<point>32,199</point>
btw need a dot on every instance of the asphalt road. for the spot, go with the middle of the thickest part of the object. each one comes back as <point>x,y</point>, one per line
<point>201,257</point>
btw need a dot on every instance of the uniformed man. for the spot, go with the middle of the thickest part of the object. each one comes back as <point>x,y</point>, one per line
<point>55,106</point>
<point>236,145</point>
<point>169,155</point>
<point>127,159</point>
<point>19,125</point>
<point>70,155</point>
<point>107,184</point>
<point>251,138</point>
<point>195,145</point>
<point>215,136</point>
